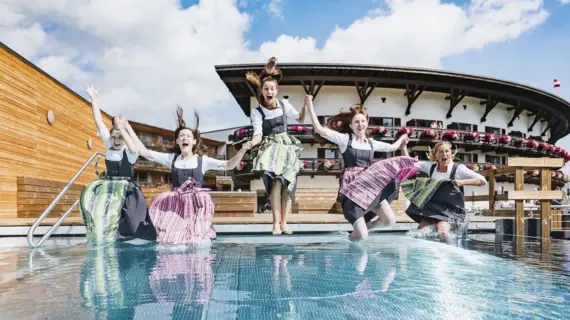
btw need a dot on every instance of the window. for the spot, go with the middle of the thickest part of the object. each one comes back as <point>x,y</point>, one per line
<point>421,123</point>
<point>143,177</point>
<point>464,157</point>
<point>494,130</point>
<point>146,138</point>
<point>385,122</point>
<point>331,154</point>
<point>493,159</point>
<point>323,153</point>
<point>165,140</point>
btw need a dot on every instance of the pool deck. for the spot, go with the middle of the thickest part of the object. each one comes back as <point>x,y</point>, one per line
<point>259,223</point>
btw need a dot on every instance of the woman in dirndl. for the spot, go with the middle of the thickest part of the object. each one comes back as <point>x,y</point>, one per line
<point>114,206</point>
<point>278,153</point>
<point>440,199</point>
<point>364,207</point>
<point>184,215</point>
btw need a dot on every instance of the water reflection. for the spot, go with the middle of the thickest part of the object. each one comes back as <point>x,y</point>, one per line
<point>396,277</point>
<point>139,282</point>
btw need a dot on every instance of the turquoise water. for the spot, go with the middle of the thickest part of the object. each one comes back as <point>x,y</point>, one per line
<point>391,277</point>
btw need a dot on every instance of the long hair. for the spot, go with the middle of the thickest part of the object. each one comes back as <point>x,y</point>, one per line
<point>341,121</point>
<point>270,73</point>
<point>432,152</point>
<point>197,148</point>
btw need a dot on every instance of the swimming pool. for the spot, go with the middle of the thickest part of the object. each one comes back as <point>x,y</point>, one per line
<point>308,277</point>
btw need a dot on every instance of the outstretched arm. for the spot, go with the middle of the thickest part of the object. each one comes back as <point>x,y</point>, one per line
<point>215,164</point>
<point>467,177</point>
<point>235,160</point>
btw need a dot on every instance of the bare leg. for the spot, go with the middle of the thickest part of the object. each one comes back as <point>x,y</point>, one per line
<point>443,229</point>
<point>275,207</point>
<point>426,222</point>
<point>360,231</point>
<point>286,203</point>
<point>386,216</point>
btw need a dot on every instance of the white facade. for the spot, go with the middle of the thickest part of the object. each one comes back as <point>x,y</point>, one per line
<point>429,106</point>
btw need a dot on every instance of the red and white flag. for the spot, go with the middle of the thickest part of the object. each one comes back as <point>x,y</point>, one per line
<point>556,83</point>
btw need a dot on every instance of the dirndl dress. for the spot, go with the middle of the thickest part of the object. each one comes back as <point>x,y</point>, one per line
<point>434,198</point>
<point>114,206</point>
<point>183,215</point>
<point>101,205</point>
<point>363,189</point>
<point>278,154</point>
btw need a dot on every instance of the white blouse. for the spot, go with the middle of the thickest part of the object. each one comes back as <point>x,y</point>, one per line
<point>190,163</point>
<point>257,120</point>
<point>462,173</point>
<point>341,139</point>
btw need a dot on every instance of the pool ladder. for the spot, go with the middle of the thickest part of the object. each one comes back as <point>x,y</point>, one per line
<point>31,242</point>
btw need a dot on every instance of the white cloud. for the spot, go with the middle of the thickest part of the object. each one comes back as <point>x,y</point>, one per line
<point>274,7</point>
<point>149,55</point>
<point>564,1</point>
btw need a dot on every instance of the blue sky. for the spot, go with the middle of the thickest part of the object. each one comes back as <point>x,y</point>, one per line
<point>535,58</point>
<point>116,47</point>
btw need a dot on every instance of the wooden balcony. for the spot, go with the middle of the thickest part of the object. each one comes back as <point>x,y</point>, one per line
<point>320,167</point>
<point>469,141</point>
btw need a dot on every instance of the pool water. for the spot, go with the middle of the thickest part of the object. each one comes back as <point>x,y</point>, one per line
<point>246,277</point>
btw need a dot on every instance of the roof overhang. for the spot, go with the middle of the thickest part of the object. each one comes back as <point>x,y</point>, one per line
<point>548,106</point>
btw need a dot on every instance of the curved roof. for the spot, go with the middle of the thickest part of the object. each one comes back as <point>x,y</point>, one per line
<point>548,106</point>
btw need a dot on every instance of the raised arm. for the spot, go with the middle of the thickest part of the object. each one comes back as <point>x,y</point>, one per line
<point>404,147</point>
<point>142,150</point>
<point>317,127</point>
<point>129,141</point>
<point>101,127</point>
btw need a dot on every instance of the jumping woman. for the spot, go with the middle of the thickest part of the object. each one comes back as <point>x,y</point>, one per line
<point>114,204</point>
<point>184,215</point>
<point>348,131</point>
<point>440,199</point>
<point>278,153</point>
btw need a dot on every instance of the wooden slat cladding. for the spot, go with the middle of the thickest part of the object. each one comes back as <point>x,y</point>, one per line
<point>34,195</point>
<point>316,201</point>
<point>310,201</point>
<point>29,145</point>
<point>228,204</point>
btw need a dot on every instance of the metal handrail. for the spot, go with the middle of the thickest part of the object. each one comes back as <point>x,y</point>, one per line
<point>54,202</point>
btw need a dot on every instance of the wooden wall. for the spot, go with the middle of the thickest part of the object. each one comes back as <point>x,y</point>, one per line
<point>29,145</point>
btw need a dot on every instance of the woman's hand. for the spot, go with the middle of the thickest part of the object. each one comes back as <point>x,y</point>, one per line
<point>309,100</point>
<point>247,146</point>
<point>91,91</point>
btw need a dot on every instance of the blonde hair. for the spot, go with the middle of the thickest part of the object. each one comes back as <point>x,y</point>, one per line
<point>431,154</point>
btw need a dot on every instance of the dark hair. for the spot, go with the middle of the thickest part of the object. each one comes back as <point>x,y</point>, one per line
<point>341,122</point>
<point>270,73</point>
<point>197,148</point>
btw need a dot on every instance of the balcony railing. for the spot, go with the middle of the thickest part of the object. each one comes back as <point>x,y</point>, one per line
<point>425,136</point>
<point>315,167</point>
